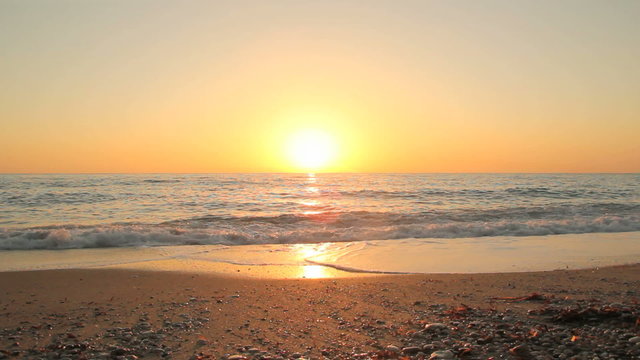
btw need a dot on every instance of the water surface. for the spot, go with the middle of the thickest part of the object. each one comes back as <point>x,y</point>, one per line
<point>92,211</point>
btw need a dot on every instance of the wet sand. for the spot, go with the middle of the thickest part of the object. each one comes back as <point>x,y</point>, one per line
<point>127,314</point>
<point>496,254</point>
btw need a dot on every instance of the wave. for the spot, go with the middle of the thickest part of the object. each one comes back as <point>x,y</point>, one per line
<point>324,227</point>
<point>369,218</point>
<point>56,198</point>
<point>518,192</point>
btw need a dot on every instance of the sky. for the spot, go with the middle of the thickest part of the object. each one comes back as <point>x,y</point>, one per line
<point>397,86</point>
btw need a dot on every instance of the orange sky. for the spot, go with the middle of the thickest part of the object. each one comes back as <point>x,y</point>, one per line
<point>411,86</point>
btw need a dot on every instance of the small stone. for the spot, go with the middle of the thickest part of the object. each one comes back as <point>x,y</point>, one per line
<point>436,327</point>
<point>296,355</point>
<point>144,325</point>
<point>236,357</point>
<point>201,342</point>
<point>428,347</point>
<point>392,348</point>
<point>635,340</point>
<point>441,354</point>
<point>410,350</point>
<point>521,351</point>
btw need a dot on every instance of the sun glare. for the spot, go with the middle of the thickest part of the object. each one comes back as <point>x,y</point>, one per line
<point>311,150</point>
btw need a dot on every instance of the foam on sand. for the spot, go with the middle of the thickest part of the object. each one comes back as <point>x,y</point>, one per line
<point>466,255</point>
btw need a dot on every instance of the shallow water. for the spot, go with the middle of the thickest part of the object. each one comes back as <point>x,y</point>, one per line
<point>403,256</point>
<point>95,211</point>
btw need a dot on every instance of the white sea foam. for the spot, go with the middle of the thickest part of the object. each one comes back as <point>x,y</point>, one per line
<point>101,211</point>
<point>104,236</point>
<point>461,255</point>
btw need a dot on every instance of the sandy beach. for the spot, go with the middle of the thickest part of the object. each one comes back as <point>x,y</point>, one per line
<point>129,314</point>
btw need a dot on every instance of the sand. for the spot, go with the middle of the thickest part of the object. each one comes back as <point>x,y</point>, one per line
<point>126,314</point>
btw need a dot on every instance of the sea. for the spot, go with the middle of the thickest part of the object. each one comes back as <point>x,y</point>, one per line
<point>77,211</point>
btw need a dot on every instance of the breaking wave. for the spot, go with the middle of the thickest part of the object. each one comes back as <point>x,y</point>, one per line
<point>286,229</point>
<point>97,211</point>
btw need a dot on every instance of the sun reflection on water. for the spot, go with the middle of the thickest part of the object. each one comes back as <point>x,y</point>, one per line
<point>313,208</point>
<point>311,178</point>
<point>310,206</point>
<point>305,251</point>
<point>315,272</point>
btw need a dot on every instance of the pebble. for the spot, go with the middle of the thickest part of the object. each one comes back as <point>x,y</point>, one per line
<point>635,340</point>
<point>410,350</point>
<point>441,354</point>
<point>436,327</point>
<point>520,351</point>
<point>392,348</point>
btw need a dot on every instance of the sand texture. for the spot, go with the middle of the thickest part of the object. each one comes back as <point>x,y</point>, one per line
<point>128,314</point>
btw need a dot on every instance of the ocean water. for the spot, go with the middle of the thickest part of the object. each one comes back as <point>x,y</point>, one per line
<point>98,211</point>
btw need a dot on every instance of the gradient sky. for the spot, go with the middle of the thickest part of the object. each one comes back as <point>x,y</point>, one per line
<point>403,86</point>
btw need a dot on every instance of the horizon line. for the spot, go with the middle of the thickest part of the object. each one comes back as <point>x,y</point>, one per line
<point>321,172</point>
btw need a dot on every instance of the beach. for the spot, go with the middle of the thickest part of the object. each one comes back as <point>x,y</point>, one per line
<point>320,180</point>
<point>336,266</point>
<point>128,314</point>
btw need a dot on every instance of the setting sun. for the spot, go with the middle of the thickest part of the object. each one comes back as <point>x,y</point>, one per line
<point>311,149</point>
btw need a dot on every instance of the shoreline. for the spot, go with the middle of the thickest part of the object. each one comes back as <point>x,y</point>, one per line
<point>127,313</point>
<point>229,270</point>
<point>499,254</point>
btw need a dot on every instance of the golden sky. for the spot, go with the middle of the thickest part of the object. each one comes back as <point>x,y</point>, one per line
<point>399,86</point>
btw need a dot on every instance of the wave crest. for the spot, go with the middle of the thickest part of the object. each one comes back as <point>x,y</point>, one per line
<point>284,229</point>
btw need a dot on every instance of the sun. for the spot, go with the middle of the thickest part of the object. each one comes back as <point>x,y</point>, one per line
<point>311,149</point>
